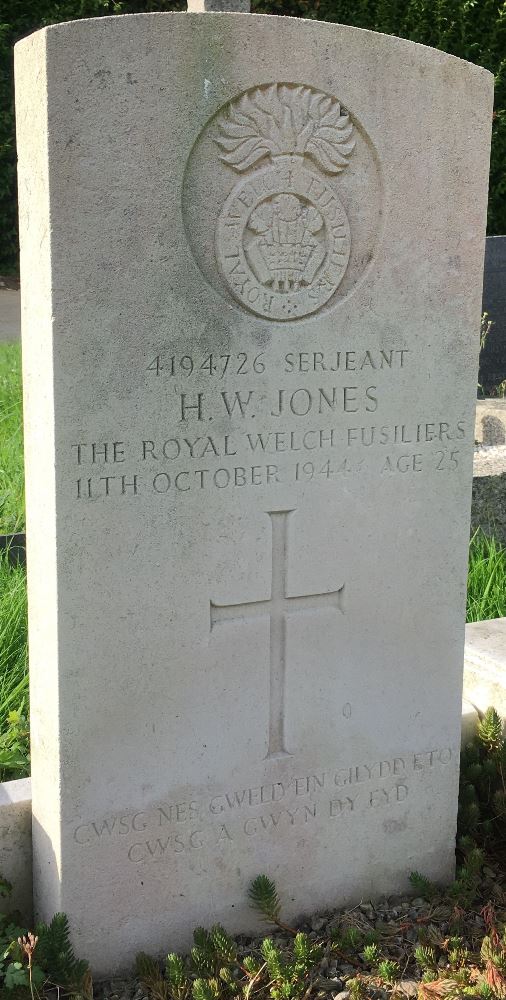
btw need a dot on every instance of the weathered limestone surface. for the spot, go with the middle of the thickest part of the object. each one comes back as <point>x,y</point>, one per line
<point>16,824</point>
<point>16,846</point>
<point>250,364</point>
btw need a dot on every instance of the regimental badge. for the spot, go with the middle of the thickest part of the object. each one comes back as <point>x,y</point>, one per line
<point>283,237</point>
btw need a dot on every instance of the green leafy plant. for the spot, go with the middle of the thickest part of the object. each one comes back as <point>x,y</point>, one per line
<point>176,976</point>
<point>423,886</point>
<point>14,971</point>
<point>490,733</point>
<point>347,938</point>
<point>371,954</point>
<point>55,956</point>
<point>425,957</point>
<point>14,743</point>
<point>214,971</point>
<point>264,898</point>
<point>493,953</point>
<point>482,797</point>
<point>388,970</point>
<point>206,989</point>
<point>486,325</point>
<point>149,973</point>
<point>357,988</point>
<point>289,978</point>
<point>458,955</point>
<point>464,888</point>
<point>30,961</point>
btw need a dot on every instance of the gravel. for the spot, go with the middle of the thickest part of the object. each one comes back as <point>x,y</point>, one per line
<point>398,923</point>
<point>489,460</point>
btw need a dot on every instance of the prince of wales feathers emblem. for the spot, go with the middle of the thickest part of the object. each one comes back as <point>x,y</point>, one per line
<point>283,237</point>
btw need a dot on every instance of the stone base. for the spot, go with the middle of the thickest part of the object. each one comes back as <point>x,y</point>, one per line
<point>485,665</point>
<point>16,847</point>
<point>484,685</point>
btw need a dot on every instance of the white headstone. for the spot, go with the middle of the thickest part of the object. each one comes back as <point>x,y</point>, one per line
<point>251,266</point>
<point>16,847</point>
<point>485,665</point>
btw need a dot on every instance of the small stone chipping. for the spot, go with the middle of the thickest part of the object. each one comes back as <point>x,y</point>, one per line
<point>399,924</point>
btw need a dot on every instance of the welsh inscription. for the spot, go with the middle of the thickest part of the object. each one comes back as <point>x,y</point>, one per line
<point>224,818</point>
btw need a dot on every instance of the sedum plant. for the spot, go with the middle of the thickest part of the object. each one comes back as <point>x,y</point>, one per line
<point>214,971</point>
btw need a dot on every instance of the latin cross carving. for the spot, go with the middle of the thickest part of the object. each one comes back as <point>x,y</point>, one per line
<point>279,605</point>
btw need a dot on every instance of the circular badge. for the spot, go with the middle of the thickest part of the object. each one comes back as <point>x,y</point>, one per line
<point>282,201</point>
<point>283,240</point>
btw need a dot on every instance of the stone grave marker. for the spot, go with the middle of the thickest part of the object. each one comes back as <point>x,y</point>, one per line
<point>252,250</point>
<point>493,355</point>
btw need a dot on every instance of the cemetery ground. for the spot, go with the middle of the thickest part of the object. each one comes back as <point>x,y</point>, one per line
<point>437,943</point>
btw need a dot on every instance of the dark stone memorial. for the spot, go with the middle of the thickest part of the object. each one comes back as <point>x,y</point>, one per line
<point>493,355</point>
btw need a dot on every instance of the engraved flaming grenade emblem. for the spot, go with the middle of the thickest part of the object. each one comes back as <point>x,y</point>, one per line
<point>283,237</point>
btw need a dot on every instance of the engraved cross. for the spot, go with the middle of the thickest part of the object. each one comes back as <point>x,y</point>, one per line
<point>279,605</point>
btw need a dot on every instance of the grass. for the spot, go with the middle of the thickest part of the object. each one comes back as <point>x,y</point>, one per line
<point>12,498</point>
<point>14,760</point>
<point>486,582</point>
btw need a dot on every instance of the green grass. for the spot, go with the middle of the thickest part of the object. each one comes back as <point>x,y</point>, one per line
<point>14,761</point>
<point>12,498</point>
<point>486,582</point>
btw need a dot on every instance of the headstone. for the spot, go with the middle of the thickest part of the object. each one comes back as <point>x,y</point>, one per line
<point>485,665</point>
<point>16,848</point>
<point>493,354</point>
<point>255,252</point>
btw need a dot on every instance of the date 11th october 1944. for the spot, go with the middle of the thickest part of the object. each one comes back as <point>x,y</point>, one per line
<point>185,481</point>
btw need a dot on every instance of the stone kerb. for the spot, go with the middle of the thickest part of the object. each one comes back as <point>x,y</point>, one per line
<point>485,665</point>
<point>16,846</point>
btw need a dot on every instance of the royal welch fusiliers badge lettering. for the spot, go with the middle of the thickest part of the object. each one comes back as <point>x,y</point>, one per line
<point>283,237</point>
<point>282,201</point>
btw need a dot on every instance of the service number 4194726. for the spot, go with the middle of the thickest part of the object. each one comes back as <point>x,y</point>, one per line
<point>217,365</point>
